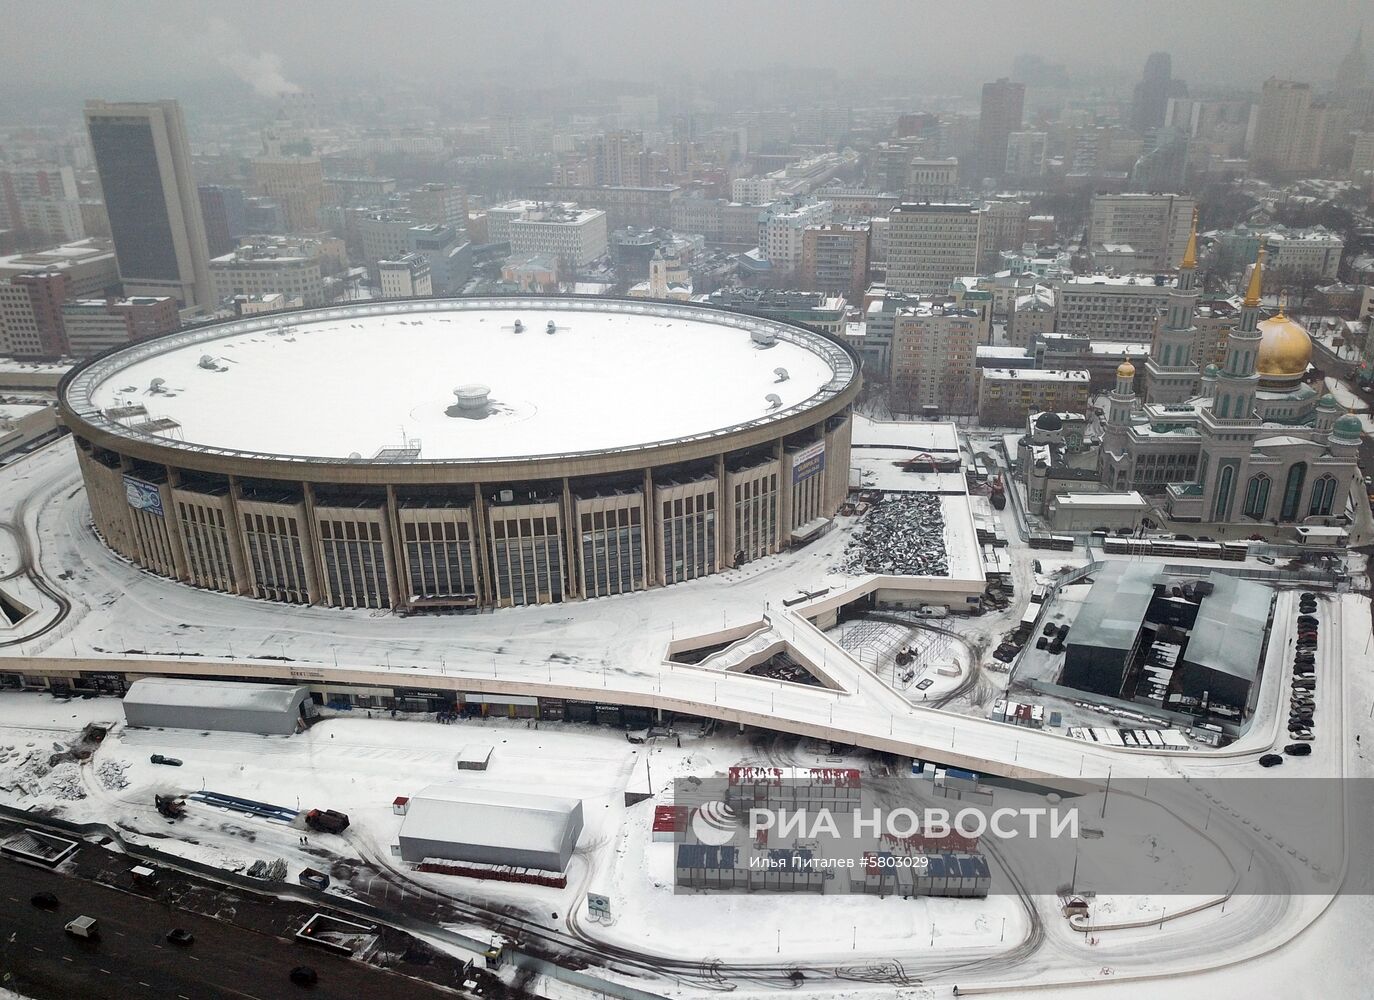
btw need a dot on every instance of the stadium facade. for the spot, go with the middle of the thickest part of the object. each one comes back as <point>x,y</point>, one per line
<point>521,450</point>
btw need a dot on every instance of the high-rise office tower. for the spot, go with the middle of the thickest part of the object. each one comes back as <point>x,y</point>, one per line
<point>1152,93</point>
<point>144,164</point>
<point>998,117</point>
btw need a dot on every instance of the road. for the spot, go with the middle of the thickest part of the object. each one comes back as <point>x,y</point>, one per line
<point>131,961</point>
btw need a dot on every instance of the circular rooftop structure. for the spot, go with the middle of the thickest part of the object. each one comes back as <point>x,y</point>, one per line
<point>610,376</point>
<point>463,452</point>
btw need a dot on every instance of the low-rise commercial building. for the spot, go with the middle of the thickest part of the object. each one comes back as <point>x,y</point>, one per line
<point>270,265</point>
<point>405,277</point>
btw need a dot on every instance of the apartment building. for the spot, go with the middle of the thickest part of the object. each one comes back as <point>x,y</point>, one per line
<point>930,245</point>
<point>933,358</point>
<point>1155,226</point>
<point>1007,396</point>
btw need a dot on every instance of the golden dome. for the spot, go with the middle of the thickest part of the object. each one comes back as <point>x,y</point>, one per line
<point>1125,369</point>
<point>1285,348</point>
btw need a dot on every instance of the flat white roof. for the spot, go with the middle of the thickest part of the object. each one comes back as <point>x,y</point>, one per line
<point>918,435</point>
<point>1036,374</point>
<point>489,817</point>
<point>1089,500</point>
<point>345,381</point>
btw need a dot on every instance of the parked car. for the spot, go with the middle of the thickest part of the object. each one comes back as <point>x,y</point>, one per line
<point>1205,538</point>
<point>304,975</point>
<point>158,758</point>
<point>180,935</point>
<point>44,900</point>
<point>1298,750</point>
<point>1307,595</point>
<point>1267,560</point>
<point>1270,760</point>
<point>1311,620</point>
<point>1303,735</point>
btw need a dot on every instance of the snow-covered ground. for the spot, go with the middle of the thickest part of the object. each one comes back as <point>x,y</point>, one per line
<point>618,644</point>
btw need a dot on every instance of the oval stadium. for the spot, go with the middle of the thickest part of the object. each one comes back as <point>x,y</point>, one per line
<point>463,453</point>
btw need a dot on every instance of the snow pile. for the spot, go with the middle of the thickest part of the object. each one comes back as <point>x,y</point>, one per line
<point>22,769</point>
<point>899,537</point>
<point>64,782</point>
<point>113,774</point>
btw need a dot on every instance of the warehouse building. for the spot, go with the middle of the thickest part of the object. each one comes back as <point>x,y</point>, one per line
<point>1226,644</point>
<point>490,826</point>
<point>221,706</point>
<point>1106,633</point>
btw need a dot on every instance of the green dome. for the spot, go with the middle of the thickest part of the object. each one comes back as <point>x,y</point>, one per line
<point>1348,426</point>
<point>1328,402</point>
<point>1211,371</point>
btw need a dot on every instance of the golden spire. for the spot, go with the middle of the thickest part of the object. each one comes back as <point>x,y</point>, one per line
<point>1190,255</point>
<point>1252,293</point>
<point>1279,314</point>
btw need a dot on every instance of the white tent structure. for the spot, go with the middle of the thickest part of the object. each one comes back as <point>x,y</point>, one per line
<point>490,826</point>
<point>224,706</point>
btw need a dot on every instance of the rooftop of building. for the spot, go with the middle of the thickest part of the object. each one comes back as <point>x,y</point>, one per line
<point>340,383</point>
<point>1036,374</point>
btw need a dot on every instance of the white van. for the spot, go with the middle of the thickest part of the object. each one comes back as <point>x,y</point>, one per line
<point>84,927</point>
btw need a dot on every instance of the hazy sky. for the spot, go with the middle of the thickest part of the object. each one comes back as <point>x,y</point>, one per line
<point>139,48</point>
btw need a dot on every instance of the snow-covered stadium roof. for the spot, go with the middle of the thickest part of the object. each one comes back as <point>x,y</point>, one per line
<point>367,381</point>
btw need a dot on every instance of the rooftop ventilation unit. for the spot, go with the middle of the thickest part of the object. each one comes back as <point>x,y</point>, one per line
<point>773,400</point>
<point>764,338</point>
<point>781,374</point>
<point>471,402</point>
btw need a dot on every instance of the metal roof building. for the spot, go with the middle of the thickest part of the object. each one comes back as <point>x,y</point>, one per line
<point>225,706</point>
<point>490,826</point>
<point>1227,640</point>
<point>1105,633</point>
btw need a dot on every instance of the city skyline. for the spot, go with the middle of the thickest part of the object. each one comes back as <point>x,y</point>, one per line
<point>1107,41</point>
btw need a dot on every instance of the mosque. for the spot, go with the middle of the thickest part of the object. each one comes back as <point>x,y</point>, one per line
<point>1247,442</point>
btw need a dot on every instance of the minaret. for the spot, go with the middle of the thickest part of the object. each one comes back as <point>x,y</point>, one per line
<point>1114,467</point>
<point>1228,427</point>
<point>1171,373</point>
<point>1236,384</point>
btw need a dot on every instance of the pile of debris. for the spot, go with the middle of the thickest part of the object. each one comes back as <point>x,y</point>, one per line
<point>274,871</point>
<point>64,782</point>
<point>902,536</point>
<point>113,774</point>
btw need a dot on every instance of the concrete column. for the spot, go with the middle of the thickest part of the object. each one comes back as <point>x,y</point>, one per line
<point>310,550</point>
<point>172,524</point>
<point>572,574</point>
<point>784,525</point>
<point>486,581</point>
<point>238,546</point>
<point>649,539</point>
<point>725,519</point>
<point>395,571</point>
